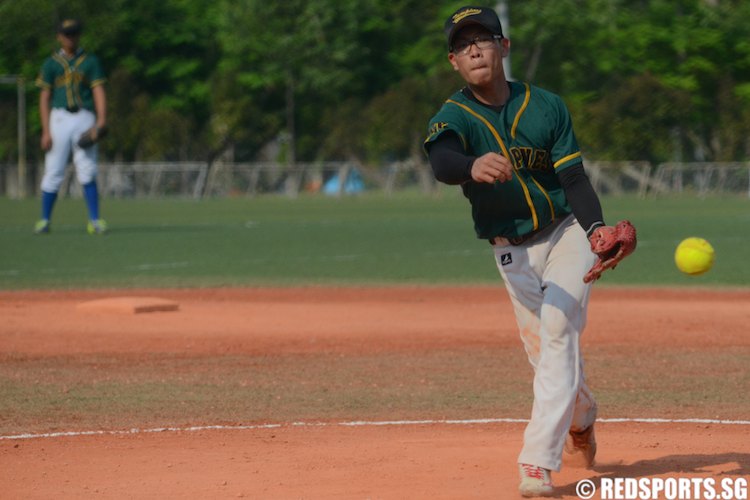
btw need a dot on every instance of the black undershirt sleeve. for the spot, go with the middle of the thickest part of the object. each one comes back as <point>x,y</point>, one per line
<point>449,161</point>
<point>452,165</point>
<point>582,198</point>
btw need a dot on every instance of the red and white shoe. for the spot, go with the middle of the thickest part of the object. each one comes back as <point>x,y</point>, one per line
<point>535,481</point>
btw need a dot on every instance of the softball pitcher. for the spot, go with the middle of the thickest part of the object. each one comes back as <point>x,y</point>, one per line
<point>72,103</point>
<point>511,148</point>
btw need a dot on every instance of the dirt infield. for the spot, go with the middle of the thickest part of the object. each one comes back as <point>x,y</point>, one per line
<point>657,353</point>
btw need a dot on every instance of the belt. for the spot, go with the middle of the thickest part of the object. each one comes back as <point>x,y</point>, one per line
<point>520,240</point>
<point>515,241</point>
<point>73,109</point>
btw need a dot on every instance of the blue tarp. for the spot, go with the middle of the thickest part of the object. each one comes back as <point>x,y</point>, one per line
<point>353,184</point>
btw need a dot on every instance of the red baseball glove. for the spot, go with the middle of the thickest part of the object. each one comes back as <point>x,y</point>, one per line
<point>611,245</point>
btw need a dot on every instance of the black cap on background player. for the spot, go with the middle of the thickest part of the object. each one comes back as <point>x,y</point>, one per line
<point>70,27</point>
<point>483,16</point>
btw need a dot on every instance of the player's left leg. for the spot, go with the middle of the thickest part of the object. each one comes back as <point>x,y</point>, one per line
<point>85,160</point>
<point>573,251</point>
<point>562,323</point>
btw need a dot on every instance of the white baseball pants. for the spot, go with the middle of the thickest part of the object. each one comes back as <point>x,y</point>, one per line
<point>66,128</point>
<point>544,278</point>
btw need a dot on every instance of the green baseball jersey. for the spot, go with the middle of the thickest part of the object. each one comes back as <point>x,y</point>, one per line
<point>71,80</point>
<point>535,132</point>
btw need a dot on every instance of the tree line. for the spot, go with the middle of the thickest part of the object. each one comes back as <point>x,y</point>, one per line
<point>309,80</point>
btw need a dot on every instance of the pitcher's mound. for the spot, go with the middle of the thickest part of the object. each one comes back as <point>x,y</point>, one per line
<point>129,305</point>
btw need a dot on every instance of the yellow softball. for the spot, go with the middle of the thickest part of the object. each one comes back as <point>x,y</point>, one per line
<point>694,256</point>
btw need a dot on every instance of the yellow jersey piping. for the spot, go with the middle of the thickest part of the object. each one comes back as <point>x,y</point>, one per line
<point>76,89</point>
<point>567,158</point>
<point>520,111</point>
<point>513,129</point>
<point>546,196</point>
<point>499,140</point>
<point>71,88</point>
<point>68,79</point>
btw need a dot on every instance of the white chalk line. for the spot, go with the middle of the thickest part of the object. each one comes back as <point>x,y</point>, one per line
<point>360,423</point>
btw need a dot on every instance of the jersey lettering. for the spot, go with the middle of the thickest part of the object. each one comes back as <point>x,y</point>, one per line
<point>533,131</point>
<point>532,159</point>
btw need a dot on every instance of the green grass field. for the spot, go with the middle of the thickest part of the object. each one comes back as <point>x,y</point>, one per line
<point>368,239</point>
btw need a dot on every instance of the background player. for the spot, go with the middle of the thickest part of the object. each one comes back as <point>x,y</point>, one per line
<point>72,101</point>
<point>512,149</point>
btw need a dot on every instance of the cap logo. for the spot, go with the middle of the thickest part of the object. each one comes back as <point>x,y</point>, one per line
<point>68,23</point>
<point>465,13</point>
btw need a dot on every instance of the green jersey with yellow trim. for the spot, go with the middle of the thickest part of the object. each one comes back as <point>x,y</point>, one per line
<point>71,80</point>
<point>534,130</point>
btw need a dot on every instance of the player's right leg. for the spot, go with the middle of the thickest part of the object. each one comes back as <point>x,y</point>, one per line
<point>55,162</point>
<point>523,283</point>
<point>551,342</point>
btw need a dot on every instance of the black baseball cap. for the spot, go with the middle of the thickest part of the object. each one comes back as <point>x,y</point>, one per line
<point>483,16</point>
<point>70,27</point>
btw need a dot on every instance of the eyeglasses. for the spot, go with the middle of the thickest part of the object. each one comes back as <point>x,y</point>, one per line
<point>463,46</point>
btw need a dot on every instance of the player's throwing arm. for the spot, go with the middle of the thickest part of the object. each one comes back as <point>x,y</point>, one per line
<point>492,167</point>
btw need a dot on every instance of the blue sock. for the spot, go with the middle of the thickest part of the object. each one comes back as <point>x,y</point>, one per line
<point>48,202</point>
<point>91,195</point>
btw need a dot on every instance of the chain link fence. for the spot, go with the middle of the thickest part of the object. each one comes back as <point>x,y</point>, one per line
<point>198,180</point>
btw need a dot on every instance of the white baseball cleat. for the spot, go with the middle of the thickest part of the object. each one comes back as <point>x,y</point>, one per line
<point>581,446</point>
<point>535,481</point>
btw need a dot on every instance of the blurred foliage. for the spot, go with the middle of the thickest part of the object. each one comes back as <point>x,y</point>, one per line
<point>651,80</point>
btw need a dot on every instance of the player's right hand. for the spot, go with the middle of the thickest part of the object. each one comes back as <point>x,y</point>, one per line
<point>46,142</point>
<point>492,167</point>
